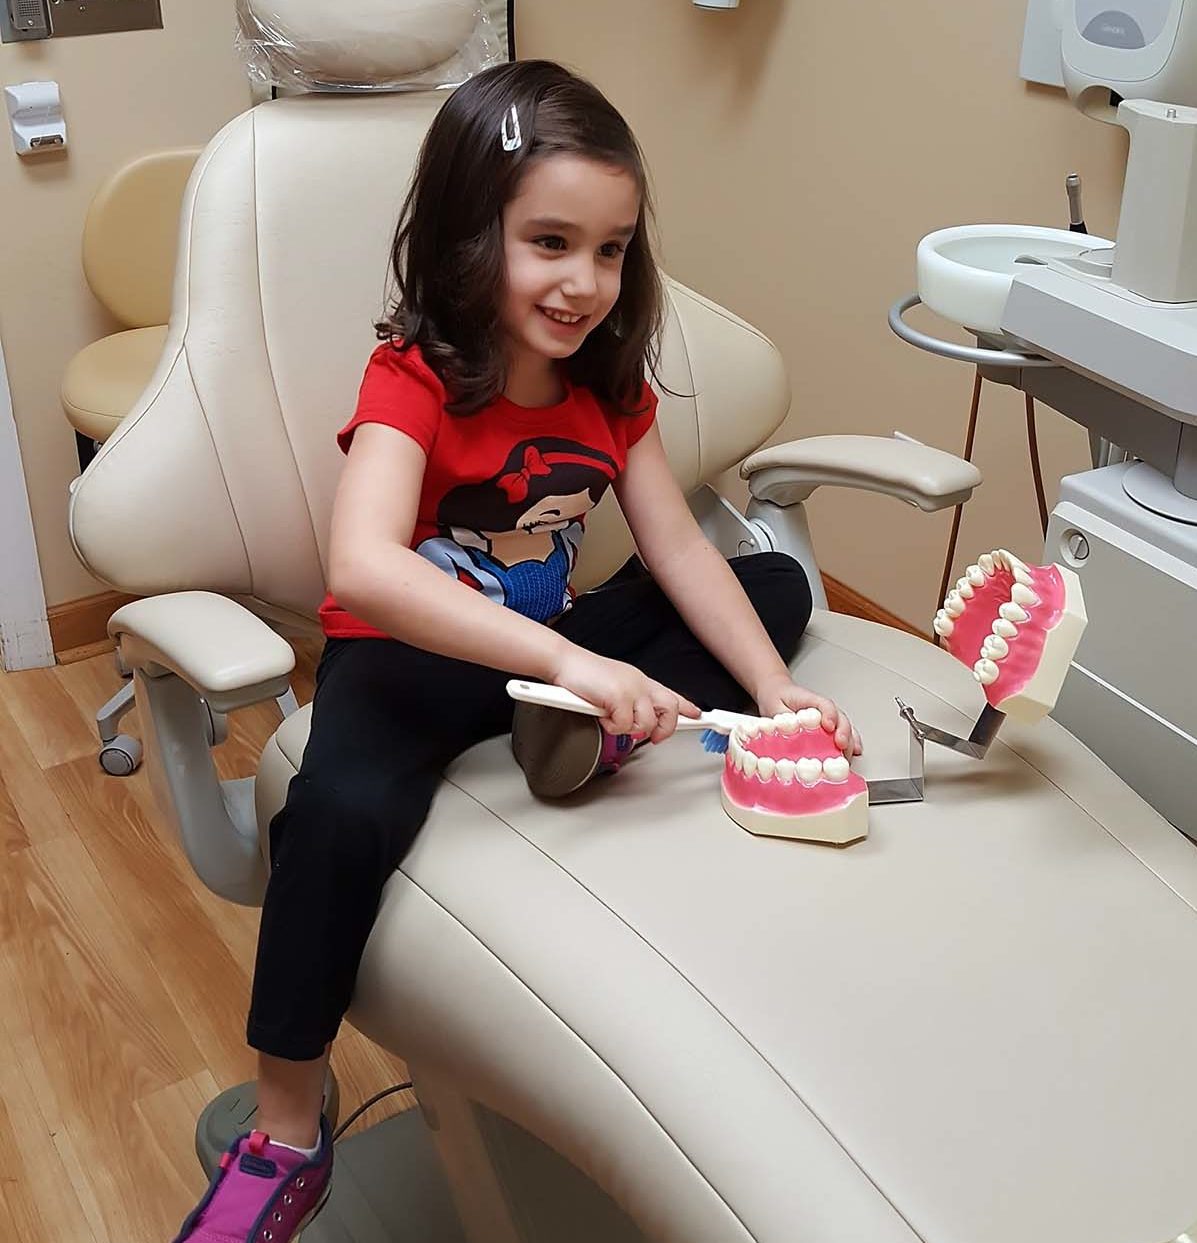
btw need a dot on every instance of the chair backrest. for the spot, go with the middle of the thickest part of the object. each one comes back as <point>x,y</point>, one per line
<point>131,235</point>
<point>222,477</point>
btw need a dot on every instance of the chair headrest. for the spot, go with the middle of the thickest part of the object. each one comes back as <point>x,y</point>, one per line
<point>366,45</point>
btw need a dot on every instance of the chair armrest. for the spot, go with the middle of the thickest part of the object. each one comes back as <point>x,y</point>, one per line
<point>918,474</point>
<point>220,649</point>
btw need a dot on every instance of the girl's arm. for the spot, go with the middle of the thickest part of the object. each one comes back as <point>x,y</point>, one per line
<point>703,588</point>
<point>377,577</point>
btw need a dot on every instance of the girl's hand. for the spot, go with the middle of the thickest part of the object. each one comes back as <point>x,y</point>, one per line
<point>632,702</point>
<point>783,695</point>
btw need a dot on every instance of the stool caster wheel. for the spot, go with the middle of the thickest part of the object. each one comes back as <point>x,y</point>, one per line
<point>121,757</point>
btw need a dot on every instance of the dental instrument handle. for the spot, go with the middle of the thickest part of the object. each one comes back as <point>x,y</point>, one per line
<point>558,697</point>
<point>1076,213</point>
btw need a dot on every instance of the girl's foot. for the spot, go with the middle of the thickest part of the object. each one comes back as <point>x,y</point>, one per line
<point>560,751</point>
<point>262,1192</point>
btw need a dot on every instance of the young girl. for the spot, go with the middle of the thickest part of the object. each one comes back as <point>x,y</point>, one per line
<point>509,393</point>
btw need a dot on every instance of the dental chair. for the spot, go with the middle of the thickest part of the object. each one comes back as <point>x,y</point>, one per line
<point>627,1019</point>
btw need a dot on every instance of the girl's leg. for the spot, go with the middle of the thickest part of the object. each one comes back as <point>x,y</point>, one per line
<point>635,622</point>
<point>290,1097</point>
<point>387,720</point>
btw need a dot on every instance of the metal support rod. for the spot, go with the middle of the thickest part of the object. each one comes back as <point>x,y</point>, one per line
<point>911,789</point>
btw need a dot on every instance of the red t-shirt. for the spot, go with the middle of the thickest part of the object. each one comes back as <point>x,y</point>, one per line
<point>506,491</point>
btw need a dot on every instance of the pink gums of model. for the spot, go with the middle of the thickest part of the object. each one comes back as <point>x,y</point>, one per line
<point>785,777</point>
<point>1017,627</point>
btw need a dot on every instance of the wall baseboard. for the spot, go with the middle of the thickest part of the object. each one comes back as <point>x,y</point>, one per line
<point>843,599</point>
<point>83,623</point>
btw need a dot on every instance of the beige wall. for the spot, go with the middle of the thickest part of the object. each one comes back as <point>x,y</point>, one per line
<point>123,95</point>
<point>800,150</point>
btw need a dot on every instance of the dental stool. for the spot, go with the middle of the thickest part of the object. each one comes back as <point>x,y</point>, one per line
<point>626,1018</point>
<point>129,243</point>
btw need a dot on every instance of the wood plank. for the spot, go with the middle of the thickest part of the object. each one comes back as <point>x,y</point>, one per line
<point>51,722</point>
<point>72,655</point>
<point>168,1118</point>
<point>41,815</point>
<point>37,1196</point>
<point>207,984</point>
<point>78,623</point>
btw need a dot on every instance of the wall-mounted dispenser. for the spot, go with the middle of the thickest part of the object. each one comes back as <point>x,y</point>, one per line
<point>35,115</point>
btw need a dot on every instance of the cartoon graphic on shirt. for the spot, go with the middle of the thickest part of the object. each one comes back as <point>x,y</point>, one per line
<point>516,536</point>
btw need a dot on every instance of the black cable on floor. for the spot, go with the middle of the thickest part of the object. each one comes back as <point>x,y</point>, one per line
<point>361,1109</point>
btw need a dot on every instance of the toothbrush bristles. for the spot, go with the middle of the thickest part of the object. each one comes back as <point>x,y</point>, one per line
<point>715,742</point>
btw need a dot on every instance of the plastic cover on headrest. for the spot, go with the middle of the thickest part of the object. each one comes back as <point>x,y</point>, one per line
<point>366,45</point>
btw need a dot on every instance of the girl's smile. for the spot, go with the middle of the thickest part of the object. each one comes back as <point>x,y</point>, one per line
<point>564,237</point>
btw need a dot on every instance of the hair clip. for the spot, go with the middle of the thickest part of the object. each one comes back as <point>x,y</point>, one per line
<point>512,139</point>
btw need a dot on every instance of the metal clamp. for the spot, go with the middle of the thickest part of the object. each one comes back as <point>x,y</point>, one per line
<point>910,789</point>
<point>958,353</point>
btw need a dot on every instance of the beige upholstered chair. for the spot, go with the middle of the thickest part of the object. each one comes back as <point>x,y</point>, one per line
<point>626,1018</point>
<point>129,242</point>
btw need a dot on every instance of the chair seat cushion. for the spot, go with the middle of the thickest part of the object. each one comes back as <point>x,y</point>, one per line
<point>103,381</point>
<point>976,1024</point>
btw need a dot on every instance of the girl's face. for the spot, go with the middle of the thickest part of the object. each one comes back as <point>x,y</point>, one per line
<point>564,236</point>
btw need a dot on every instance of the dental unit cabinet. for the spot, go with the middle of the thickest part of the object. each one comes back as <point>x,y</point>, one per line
<point>1106,334</point>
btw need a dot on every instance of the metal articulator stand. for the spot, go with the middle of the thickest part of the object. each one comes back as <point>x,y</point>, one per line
<point>910,789</point>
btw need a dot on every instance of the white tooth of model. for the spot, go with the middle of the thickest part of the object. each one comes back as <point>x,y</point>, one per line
<point>943,625</point>
<point>765,767</point>
<point>788,723</point>
<point>995,648</point>
<point>986,671</point>
<point>953,606</point>
<point>809,771</point>
<point>810,718</point>
<point>986,562</point>
<point>785,771</point>
<point>1023,595</point>
<point>965,589</point>
<point>836,769</point>
<point>1005,629</point>
<point>1012,612</point>
<point>975,576</point>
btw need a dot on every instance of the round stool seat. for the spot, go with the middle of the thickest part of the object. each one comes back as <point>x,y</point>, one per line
<point>104,380</point>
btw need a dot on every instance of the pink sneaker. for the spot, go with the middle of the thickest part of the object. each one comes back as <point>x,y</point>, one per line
<point>561,751</point>
<point>262,1193</point>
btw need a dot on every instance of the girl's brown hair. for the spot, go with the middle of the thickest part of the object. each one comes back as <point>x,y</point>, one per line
<point>448,256</point>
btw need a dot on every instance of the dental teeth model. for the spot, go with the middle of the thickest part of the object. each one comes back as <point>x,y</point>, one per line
<point>785,777</point>
<point>1017,627</point>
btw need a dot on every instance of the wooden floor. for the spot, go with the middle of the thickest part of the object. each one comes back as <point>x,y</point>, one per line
<point>123,981</point>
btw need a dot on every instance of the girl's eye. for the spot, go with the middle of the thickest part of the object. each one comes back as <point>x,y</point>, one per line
<point>550,243</point>
<point>611,250</point>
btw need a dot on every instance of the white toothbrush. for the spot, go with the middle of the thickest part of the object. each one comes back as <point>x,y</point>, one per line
<point>717,720</point>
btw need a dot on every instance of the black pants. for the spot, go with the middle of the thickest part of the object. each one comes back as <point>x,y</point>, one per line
<point>387,720</point>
